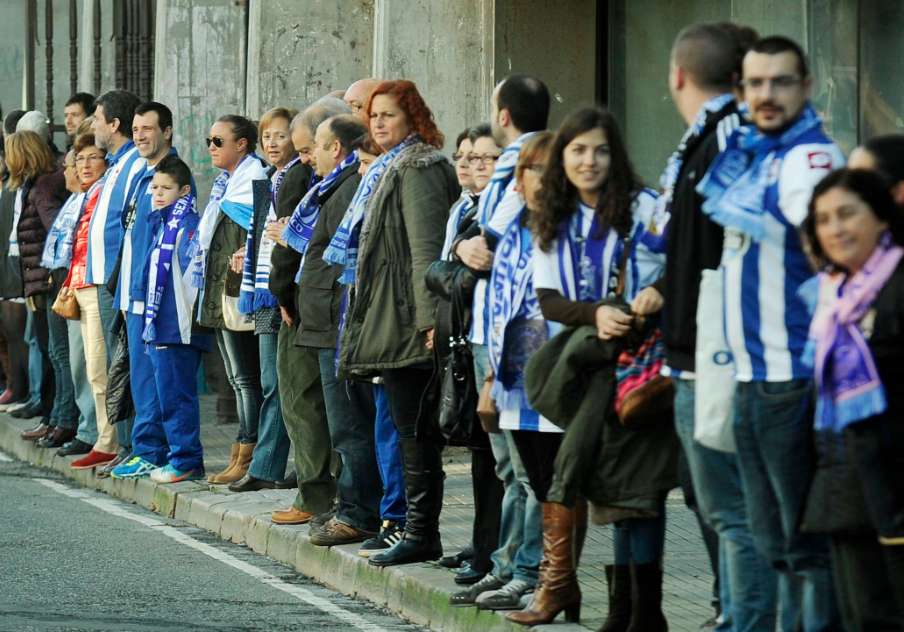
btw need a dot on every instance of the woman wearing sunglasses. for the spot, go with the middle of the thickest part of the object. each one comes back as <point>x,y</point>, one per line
<point>222,231</point>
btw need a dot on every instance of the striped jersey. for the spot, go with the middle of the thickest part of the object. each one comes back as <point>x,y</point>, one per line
<point>106,230</point>
<point>766,322</point>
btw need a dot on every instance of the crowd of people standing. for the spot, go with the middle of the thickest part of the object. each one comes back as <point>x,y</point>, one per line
<point>531,299</point>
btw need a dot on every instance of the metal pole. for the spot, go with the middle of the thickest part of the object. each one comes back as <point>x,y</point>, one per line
<point>73,46</point>
<point>48,54</point>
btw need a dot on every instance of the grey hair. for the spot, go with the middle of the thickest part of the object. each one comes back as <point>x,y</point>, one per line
<point>36,122</point>
<point>319,111</point>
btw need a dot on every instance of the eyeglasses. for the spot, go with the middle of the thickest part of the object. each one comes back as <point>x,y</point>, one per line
<point>486,159</point>
<point>457,156</point>
<point>780,83</point>
<point>93,158</point>
<point>216,140</point>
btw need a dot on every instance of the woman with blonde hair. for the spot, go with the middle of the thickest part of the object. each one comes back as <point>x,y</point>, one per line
<point>40,193</point>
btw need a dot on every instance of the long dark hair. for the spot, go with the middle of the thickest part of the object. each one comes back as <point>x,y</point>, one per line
<point>558,197</point>
<point>870,187</point>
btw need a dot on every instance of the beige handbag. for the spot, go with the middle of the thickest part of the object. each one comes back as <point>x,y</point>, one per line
<point>66,305</point>
<point>233,319</point>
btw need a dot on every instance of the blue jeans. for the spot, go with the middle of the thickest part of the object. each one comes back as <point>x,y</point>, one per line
<point>773,431</point>
<point>521,523</point>
<point>350,415</point>
<point>35,361</point>
<point>272,450</point>
<point>748,584</point>
<point>84,398</point>
<point>393,505</point>
<point>639,540</point>
<point>241,358</point>
<point>107,318</point>
<point>65,412</point>
<point>148,438</point>
<point>176,375</point>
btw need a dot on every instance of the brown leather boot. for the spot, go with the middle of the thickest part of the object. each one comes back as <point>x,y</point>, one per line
<point>217,479</point>
<point>242,463</point>
<point>557,588</point>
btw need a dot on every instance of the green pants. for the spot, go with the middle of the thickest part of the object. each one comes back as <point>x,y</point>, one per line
<point>304,413</point>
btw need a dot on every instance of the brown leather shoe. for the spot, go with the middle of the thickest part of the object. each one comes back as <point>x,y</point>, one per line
<point>335,532</point>
<point>56,439</point>
<point>290,516</point>
<point>39,431</point>
<point>557,588</point>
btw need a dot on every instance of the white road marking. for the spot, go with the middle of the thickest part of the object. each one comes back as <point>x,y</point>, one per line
<point>5,459</point>
<point>300,593</point>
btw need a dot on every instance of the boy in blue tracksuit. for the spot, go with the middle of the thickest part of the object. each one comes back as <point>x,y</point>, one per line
<point>174,343</point>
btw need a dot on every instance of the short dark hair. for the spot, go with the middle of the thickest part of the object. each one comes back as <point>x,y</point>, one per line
<point>888,150</point>
<point>83,99</point>
<point>164,114</point>
<point>241,128</point>
<point>119,104</point>
<point>465,133</point>
<point>870,187</point>
<point>776,44</point>
<point>527,100</point>
<point>479,131</point>
<point>11,120</point>
<point>175,167</point>
<point>710,54</point>
<point>349,130</point>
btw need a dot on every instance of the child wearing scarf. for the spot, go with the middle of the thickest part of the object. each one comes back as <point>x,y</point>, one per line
<point>174,344</point>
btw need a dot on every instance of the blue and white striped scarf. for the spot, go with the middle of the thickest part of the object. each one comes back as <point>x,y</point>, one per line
<point>58,247</point>
<point>233,195</point>
<point>161,261</point>
<point>343,248</point>
<point>461,208</point>
<point>736,183</point>
<point>304,218</point>
<point>502,175</point>
<point>255,289</point>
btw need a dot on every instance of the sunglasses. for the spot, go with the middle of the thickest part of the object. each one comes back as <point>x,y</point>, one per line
<point>216,140</point>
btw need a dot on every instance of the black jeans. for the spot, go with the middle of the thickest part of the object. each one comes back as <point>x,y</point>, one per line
<point>538,454</point>
<point>350,414</point>
<point>488,494</point>
<point>866,597</point>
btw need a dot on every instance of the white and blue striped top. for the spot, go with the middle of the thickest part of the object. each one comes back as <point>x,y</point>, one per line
<point>766,322</point>
<point>106,230</point>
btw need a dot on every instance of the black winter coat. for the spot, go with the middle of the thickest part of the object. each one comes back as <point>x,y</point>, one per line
<point>858,485</point>
<point>44,196</point>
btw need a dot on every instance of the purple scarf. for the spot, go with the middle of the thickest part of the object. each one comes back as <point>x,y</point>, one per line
<point>848,384</point>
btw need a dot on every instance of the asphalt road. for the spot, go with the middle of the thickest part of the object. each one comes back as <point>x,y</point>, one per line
<point>79,561</point>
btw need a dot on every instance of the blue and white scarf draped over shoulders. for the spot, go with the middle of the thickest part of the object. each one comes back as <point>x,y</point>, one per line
<point>233,195</point>
<point>463,205</point>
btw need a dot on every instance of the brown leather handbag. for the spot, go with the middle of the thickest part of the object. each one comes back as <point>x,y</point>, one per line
<point>66,305</point>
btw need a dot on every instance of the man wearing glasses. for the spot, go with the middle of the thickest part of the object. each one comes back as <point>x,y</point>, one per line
<point>758,189</point>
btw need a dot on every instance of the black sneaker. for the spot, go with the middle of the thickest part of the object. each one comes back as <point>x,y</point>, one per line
<point>390,533</point>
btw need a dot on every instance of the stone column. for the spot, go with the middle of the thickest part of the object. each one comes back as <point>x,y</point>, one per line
<point>300,50</point>
<point>199,72</point>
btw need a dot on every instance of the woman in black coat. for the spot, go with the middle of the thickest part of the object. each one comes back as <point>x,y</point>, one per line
<point>856,233</point>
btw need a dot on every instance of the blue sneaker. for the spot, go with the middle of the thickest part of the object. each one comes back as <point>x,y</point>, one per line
<point>136,467</point>
<point>169,474</point>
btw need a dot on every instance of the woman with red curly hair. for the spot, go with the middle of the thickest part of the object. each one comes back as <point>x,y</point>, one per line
<point>400,212</point>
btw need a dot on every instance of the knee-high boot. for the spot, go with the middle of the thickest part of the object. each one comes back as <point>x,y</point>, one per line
<point>580,528</point>
<point>422,468</point>
<point>618,579</point>
<point>646,598</point>
<point>557,588</point>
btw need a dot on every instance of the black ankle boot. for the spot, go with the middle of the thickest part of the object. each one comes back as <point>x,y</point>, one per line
<point>408,551</point>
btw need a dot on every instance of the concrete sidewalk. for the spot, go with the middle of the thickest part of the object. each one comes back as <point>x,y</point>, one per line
<point>418,592</point>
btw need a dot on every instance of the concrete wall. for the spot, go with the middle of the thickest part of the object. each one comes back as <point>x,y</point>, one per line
<point>299,50</point>
<point>199,73</point>
<point>554,41</point>
<point>442,47</point>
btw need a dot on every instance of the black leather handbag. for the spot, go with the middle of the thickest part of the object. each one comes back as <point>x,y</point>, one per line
<point>458,390</point>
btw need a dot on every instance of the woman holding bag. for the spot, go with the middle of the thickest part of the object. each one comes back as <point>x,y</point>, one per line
<point>222,231</point>
<point>593,220</point>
